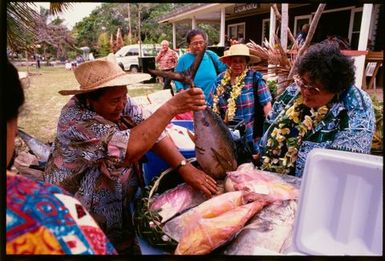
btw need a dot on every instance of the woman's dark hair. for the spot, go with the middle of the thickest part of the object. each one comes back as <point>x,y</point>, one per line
<point>14,93</point>
<point>94,95</point>
<point>325,62</point>
<point>190,34</point>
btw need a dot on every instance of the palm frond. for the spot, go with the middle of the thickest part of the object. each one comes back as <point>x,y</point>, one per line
<point>58,7</point>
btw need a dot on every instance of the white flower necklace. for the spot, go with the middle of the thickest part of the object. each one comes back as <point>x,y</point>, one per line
<point>236,89</point>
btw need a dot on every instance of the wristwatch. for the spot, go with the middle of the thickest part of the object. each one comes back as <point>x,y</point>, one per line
<point>181,164</point>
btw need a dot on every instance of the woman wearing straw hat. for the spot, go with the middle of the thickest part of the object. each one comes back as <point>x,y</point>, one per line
<point>233,95</point>
<point>30,228</point>
<point>102,133</point>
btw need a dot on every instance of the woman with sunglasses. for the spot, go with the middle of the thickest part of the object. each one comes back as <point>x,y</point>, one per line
<point>321,109</point>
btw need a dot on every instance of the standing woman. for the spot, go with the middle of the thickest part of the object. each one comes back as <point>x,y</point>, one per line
<point>233,93</point>
<point>209,68</point>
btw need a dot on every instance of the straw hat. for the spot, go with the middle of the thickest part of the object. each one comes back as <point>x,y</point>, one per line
<point>100,73</point>
<point>239,50</point>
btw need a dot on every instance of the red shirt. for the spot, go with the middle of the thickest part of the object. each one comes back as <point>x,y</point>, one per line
<point>167,60</point>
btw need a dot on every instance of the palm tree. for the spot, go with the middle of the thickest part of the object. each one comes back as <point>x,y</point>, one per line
<point>22,21</point>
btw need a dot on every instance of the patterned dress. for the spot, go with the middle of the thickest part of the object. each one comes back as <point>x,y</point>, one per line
<point>349,125</point>
<point>87,161</point>
<point>244,102</point>
<point>43,219</point>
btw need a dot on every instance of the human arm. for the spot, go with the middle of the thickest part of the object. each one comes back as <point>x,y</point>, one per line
<point>357,125</point>
<point>159,56</point>
<point>217,62</point>
<point>191,175</point>
<point>145,134</point>
<point>263,92</point>
<point>267,108</point>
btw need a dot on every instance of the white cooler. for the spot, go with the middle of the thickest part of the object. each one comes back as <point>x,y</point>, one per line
<point>340,210</point>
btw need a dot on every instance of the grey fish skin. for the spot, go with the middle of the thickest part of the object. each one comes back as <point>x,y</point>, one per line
<point>214,146</point>
<point>40,149</point>
<point>270,231</point>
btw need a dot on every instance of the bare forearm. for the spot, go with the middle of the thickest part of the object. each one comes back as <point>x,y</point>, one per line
<point>267,108</point>
<point>145,134</point>
<point>168,151</point>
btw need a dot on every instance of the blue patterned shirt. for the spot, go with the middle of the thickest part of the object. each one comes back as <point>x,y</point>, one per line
<point>244,102</point>
<point>349,125</point>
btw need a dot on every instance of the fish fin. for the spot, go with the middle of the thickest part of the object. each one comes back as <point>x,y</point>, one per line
<point>178,76</point>
<point>226,164</point>
<point>192,136</point>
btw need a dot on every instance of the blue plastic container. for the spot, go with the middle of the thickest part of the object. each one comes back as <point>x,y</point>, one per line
<point>155,165</point>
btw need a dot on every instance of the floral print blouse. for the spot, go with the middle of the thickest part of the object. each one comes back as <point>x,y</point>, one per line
<point>87,161</point>
<point>349,125</point>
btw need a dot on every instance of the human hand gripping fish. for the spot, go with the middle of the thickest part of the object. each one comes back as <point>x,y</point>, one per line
<point>195,177</point>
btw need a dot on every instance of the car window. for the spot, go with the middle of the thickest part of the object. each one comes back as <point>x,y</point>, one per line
<point>132,52</point>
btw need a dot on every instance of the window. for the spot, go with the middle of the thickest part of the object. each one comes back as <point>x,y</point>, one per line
<point>236,31</point>
<point>132,52</point>
<point>299,21</point>
<point>356,26</point>
<point>265,29</point>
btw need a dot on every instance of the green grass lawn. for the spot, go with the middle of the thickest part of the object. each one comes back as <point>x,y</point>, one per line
<point>43,102</point>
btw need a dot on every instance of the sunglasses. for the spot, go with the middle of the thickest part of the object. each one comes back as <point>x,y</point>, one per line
<point>299,81</point>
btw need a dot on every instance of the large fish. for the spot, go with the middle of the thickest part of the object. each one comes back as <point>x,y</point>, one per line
<point>38,148</point>
<point>176,200</point>
<point>214,147</point>
<point>206,234</point>
<point>263,184</point>
<point>268,232</point>
<point>213,207</point>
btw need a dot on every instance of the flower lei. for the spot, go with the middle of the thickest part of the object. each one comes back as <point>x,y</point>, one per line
<point>287,135</point>
<point>235,92</point>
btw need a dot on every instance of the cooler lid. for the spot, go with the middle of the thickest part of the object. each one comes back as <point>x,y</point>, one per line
<point>341,204</point>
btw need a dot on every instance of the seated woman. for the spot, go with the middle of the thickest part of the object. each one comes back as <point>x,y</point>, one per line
<point>43,219</point>
<point>101,136</point>
<point>322,109</point>
<point>233,95</point>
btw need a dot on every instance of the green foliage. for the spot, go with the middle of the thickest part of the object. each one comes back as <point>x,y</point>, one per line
<point>377,144</point>
<point>103,44</point>
<point>72,55</point>
<point>21,33</point>
<point>273,87</point>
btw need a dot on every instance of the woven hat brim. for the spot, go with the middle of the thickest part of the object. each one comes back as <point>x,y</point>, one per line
<point>125,79</point>
<point>253,58</point>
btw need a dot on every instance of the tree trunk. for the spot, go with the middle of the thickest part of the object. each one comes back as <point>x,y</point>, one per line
<point>129,21</point>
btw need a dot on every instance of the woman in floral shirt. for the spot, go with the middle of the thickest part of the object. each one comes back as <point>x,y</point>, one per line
<point>322,109</point>
<point>101,136</point>
<point>41,218</point>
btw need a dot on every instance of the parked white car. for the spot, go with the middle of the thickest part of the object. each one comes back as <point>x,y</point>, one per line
<point>128,56</point>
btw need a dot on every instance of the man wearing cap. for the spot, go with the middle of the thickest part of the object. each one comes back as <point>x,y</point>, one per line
<point>233,94</point>
<point>102,134</point>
